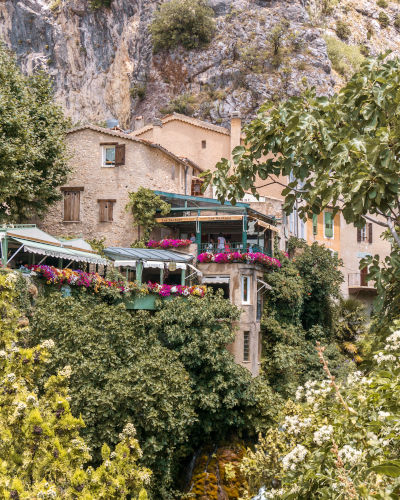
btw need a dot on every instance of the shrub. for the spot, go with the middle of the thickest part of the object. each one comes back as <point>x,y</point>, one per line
<point>98,4</point>
<point>182,22</point>
<point>396,23</point>
<point>382,4</point>
<point>138,90</point>
<point>383,19</point>
<point>182,104</point>
<point>277,34</point>
<point>343,30</point>
<point>364,50</point>
<point>345,59</point>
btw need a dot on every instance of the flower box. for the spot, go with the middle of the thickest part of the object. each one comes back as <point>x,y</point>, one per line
<point>147,302</point>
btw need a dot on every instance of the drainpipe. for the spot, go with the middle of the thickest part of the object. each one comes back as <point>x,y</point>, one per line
<point>186,171</point>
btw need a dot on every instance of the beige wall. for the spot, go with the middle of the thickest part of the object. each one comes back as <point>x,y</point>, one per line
<point>352,251</point>
<point>248,322</point>
<point>144,166</point>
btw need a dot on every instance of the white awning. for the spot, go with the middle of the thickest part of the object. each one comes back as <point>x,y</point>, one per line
<point>199,273</point>
<point>125,263</point>
<point>215,279</point>
<point>268,287</point>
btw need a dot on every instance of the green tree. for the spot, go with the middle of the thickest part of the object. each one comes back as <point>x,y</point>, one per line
<point>182,22</point>
<point>33,153</point>
<point>144,205</point>
<point>351,327</point>
<point>344,150</point>
<point>42,454</point>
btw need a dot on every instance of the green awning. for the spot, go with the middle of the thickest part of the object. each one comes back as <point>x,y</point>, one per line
<point>60,252</point>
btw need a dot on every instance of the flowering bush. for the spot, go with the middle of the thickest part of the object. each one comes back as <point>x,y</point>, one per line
<point>340,441</point>
<point>223,258</point>
<point>166,290</point>
<point>168,243</point>
<point>98,284</point>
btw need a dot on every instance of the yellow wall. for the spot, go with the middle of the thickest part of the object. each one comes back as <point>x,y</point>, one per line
<point>331,243</point>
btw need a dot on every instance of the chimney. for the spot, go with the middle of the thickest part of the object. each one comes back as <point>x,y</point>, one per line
<point>236,129</point>
<point>139,122</point>
<point>157,131</point>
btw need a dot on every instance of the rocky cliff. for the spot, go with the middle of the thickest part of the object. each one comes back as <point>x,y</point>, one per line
<point>103,66</point>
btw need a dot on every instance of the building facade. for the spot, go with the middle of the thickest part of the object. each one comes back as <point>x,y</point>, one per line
<point>107,165</point>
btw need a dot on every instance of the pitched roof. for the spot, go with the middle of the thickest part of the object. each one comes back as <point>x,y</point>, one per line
<point>122,135</point>
<point>186,119</point>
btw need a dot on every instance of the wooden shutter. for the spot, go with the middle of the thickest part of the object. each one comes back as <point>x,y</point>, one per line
<point>71,205</point>
<point>370,232</point>
<point>120,154</point>
<point>315,224</point>
<point>196,187</point>
<point>363,275</point>
<point>359,235</point>
<point>328,224</point>
<point>106,210</point>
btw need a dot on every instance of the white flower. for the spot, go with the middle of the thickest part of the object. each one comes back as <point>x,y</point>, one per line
<point>293,425</point>
<point>21,407</point>
<point>380,357</point>
<point>107,464</point>
<point>31,399</point>
<point>272,493</point>
<point>11,377</point>
<point>295,456</point>
<point>324,434</point>
<point>299,392</point>
<point>3,355</point>
<point>144,476</point>
<point>350,454</point>
<point>66,372</point>
<point>113,454</point>
<point>383,414</point>
<point>79,444</point>
<point>353,378</point>
<point>393,342</point>
<point>174,289</point>
<point>129,430</point>
<point>48,344</point>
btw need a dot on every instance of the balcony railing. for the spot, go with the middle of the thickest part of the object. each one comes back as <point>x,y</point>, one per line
<point>358,280</point>
<point>234,246</point>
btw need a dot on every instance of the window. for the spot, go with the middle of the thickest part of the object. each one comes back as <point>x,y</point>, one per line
<point>194,173</point>
<point>245,289</point>
<point>113,154</point>
<point>328,224</point>
<point>364,234</point>
<point>72,202</point>
<point>246,346</point>
<point>203,144</point>
<point>196,187</point>
<point>106,210</point>
<point>314,224</point>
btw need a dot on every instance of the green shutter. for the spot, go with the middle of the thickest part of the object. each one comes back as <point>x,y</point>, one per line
<point>336,254</point>
<point>328,224</point>
<point>314,224</point>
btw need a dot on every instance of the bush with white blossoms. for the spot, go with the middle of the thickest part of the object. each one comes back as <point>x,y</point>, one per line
<point>42,455</point>
<point>349,447</point>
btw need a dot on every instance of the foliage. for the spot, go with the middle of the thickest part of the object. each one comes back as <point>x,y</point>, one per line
<point>382,3</point>
<point>182,22</point>
<point>138,91</point>
<point>182,104</point>
<point>275,37</point>
<point>98,4</point>
<point>144,205</point>
<point>341,443</point>
<point>346,151</point>
<point>396,22</point>
<point>33,152</point>
<point>168,373</point>
<point>41,452</point>
<point>383,19</point>
<point>343,30</point>
<point>345,59</point>
<point>98,245</point>
<point>350,327</point>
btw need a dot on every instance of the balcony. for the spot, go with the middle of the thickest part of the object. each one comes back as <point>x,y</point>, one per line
<point>357,282</point>
<point>234,246</point>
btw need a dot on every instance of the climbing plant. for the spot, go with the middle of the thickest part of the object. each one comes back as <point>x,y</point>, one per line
<point>143,204</point>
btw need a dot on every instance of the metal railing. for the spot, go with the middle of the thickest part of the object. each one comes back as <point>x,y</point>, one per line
<point>358,279</point>
<point>234,246</point>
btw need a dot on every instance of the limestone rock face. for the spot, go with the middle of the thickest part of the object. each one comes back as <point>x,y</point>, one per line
<point>98,58</point>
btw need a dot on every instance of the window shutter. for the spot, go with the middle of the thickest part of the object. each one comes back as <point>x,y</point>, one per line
<point>336,254</point>
<point>106,211</point>
<point>71,205</point>
<point>363,275</point>
<point>120,154</point>
<point>370,232</point>
<point>359,235</point>
<point>328,224</point>
<point>314,224</point>
<point>196,187</point>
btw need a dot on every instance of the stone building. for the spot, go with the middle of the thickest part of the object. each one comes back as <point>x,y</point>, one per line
<point>107,165</point>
